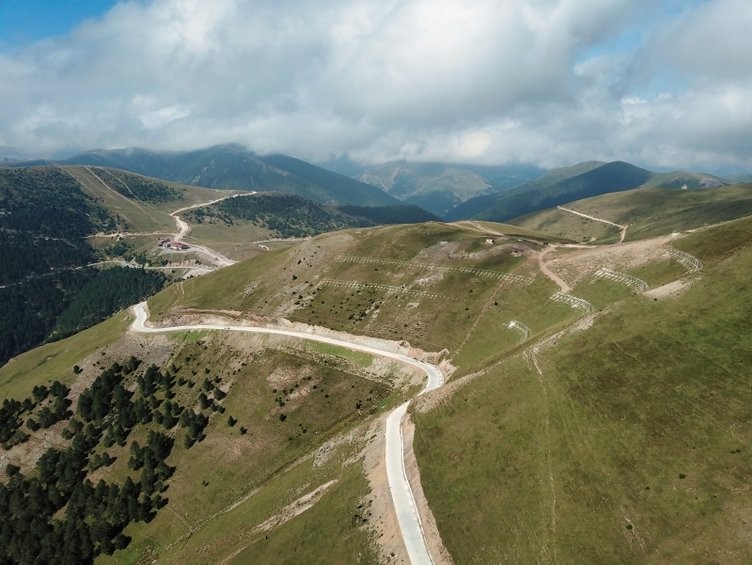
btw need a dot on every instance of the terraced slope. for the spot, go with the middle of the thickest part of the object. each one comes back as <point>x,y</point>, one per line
<point>422,283</point>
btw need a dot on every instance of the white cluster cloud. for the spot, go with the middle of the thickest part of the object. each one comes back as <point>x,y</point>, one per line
<point>488,81</point>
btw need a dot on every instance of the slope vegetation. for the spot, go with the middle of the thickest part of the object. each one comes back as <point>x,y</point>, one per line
<point>597,405</point>
<point>287,215</point>
<point>647,212</point>
<point>439,187</point>
<point>422,283</point>
<point>45,284</point>
<point>234,167</point>
<point>627,440</point>
<point>564,186</point>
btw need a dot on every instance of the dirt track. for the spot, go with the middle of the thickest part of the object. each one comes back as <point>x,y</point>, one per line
<point>408,516</point>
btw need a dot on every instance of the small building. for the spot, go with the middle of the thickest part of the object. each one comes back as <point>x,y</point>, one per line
<point>174,245</point>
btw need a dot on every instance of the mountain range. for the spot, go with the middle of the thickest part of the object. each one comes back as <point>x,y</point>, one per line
<point>582,403</point>
<point>233,166</point>
<point>449,191</point>
<point>438,187</point>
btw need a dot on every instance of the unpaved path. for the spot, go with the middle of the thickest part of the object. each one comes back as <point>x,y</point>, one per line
<point>621,227</point>
<point>557,280</point>
<point>408,516</point>
<point>183,228</point>
<point>548,551</point>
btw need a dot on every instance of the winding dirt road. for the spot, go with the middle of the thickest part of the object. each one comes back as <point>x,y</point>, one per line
<point>183,227</point>
<point>405,507</point>
<point>622,228</point>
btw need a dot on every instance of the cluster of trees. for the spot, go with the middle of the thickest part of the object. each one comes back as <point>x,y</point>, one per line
<point>44,218</point>
<point>109,291</point>
<point>94,517</point>
<point>41,413</point>
<point>141,188</point>
<point>53,307</point>
<point>55,513</point>
<point>285,214</point>
<point>194,424</point>
<point>30,310</point>
<point>151,460</point>
<point>56,411</point>
<point>397,214</point>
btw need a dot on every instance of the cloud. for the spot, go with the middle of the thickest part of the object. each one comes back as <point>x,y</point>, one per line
<point>489,81</point>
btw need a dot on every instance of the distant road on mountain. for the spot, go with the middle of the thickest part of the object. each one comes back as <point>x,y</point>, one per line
<point>567,184</point>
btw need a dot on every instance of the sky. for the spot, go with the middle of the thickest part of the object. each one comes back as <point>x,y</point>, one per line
<point>665,84</point>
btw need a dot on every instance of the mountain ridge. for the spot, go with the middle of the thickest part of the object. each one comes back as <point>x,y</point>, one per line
<point>561,186</point>
<point>232,166</point>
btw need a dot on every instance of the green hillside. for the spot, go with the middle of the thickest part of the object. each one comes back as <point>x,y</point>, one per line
<point>647,212</point>
<point>685,180</point>
<point>287,215</point>
<point>565,185</point>
<point>630,444</point>
<point>422,283</point>
<point>234,167</point>
<point>328,187</point>
<point>48,217</point>
<point>474,207</point>
<point>597,404</point>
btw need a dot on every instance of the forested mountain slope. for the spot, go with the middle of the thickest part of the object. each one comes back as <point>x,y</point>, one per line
<point>234,167</point>
<point>555,190</point>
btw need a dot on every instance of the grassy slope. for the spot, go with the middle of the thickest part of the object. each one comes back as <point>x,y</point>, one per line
<point>56,360</point>
<point>326,186</point>
<point>203,493</point>
<point>139,217</point>
<point>495,500</point>
<point>320,386</point>
<point>142,216</point>
<point>475,207</point>
<point>649,212</point>
<point>285,283</point>
<point>632,445</point>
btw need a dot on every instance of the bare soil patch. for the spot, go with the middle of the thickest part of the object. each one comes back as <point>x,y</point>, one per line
<point>578,265</point>
<point>669,290</point>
